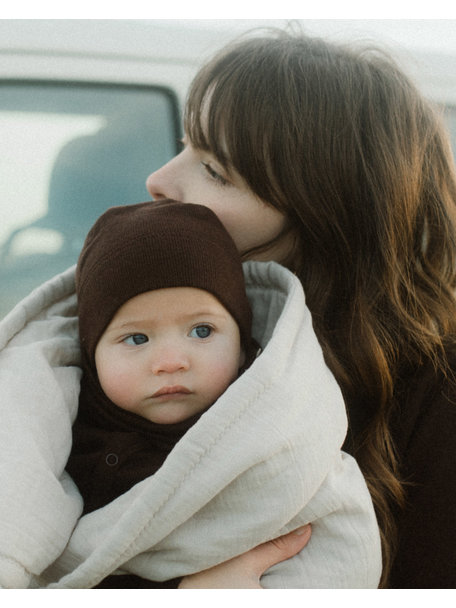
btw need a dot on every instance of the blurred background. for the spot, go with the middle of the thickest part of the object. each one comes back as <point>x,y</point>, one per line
<point>88,108</point>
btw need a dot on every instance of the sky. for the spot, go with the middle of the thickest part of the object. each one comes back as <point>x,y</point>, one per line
<point>234,9</point>
<point>431,24</point>
<point>433,34</point>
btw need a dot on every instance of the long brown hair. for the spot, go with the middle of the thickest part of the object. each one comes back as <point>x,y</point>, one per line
<point>342,142</point>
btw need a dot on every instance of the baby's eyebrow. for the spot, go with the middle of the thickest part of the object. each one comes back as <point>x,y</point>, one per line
<point>134,323</point>
<point>126,326</point>
<point>204,313</point>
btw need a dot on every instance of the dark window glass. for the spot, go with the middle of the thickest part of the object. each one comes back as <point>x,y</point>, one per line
<point>68,152</point>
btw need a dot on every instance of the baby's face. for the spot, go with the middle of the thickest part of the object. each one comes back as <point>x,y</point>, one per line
<point>169,354</point>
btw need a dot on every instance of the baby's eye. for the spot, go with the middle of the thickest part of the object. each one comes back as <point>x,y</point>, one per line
<point>136,339</point>
<point>201,331</point>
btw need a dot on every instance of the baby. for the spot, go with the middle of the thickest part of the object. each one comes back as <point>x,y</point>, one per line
<point>165,328</point>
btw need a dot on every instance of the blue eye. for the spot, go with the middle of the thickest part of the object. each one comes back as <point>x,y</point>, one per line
<point>136,339</point>
<point>201,331</point>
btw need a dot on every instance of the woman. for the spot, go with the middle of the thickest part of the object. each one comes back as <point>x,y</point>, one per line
<point>327,159</point>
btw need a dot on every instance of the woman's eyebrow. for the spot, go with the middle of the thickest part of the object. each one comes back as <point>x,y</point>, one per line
<point>222,157</point>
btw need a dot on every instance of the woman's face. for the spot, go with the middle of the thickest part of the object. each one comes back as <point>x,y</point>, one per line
<point>195,176</point>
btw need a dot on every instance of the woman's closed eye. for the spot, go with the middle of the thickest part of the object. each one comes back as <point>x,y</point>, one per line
<point>201,332</point>
<point>135,339</point>
<point>214,175</point>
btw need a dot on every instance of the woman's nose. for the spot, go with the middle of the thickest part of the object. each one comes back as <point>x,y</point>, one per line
<point>163,183</point>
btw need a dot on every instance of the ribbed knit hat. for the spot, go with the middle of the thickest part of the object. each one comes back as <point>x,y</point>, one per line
<point>132,249</point>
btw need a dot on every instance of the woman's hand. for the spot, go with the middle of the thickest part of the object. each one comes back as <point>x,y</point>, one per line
<point>245,571</point>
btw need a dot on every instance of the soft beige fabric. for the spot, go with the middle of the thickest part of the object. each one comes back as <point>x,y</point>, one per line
<point>264,459</point>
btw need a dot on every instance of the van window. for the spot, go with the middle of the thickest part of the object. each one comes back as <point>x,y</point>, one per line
<point>69,151</point>
<point>450,119</point>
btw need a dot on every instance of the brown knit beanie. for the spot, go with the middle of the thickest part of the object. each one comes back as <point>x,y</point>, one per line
<point>137,248</point>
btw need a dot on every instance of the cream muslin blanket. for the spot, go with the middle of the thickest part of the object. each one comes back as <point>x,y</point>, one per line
<point>263,460</point>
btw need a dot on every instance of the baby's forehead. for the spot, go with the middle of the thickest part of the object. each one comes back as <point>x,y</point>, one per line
<point>170,304</point>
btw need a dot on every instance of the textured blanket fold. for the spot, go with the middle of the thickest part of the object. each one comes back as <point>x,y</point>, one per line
<point>263,460</point>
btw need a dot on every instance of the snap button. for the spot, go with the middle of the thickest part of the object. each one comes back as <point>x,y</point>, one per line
<point>112,459</point>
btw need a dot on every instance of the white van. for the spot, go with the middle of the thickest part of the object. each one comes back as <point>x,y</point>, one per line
<point>87,110</point>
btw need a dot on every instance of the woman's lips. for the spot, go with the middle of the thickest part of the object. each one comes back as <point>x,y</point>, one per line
<point>171,391</point>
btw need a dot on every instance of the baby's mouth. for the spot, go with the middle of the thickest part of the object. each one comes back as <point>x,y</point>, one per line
<point>171,391</point>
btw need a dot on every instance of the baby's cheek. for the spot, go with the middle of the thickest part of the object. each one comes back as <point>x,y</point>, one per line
<point>116,386</point>
<point>221,376</point>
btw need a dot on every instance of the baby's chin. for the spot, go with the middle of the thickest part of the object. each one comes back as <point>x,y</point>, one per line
<point>171,411</point>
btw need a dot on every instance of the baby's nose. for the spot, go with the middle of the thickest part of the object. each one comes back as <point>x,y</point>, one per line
<point>169,360</point>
